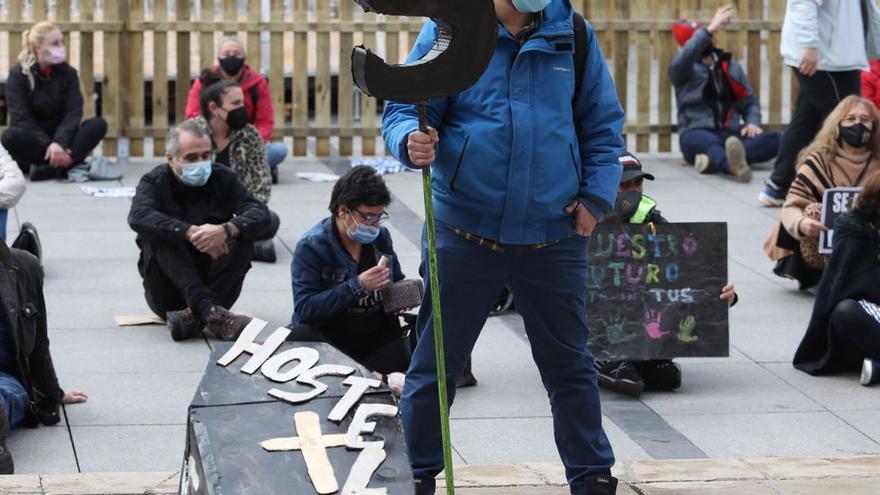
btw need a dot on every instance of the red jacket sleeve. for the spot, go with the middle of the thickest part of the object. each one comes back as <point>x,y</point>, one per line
<point>193,107</point>
<point>264,120</point>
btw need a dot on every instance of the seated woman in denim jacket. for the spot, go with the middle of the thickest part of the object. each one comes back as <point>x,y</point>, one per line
<point>336,277</point>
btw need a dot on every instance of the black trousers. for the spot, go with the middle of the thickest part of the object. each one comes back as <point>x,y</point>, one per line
<point>818,96</point>
<point>27,150</point>
<point>177,276</point>
<point>855,333</point>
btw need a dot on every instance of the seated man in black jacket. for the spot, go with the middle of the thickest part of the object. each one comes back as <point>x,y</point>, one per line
<point>29,391</point>
<point>196,225</point>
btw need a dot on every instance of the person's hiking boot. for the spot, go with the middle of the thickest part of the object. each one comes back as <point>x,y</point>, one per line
<point>29,240</point>
<point>225,324</point>
<point>870,372</point>
<point>702,164</point>
<point>264,251</point>
<point>46,172</point>
<point>6,464</point>
<point>596,484</point>
<point>425,486</point>
<point>661,374</point>
<point>183,324</point>
<point>736,159</point>
<point>620,376</point>
<point>466,378</point>
<point>771,197</point>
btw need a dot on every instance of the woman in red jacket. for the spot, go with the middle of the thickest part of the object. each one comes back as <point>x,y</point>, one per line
<point>231,65</point>
<point>871,82</point>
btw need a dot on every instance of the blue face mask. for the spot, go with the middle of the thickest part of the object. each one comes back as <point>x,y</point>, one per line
<point>196,174</point>
<point>363,234</point>
<point>530,6</point>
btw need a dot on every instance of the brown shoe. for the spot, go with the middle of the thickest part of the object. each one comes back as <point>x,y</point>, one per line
<point>182,324</point>
<point>225,324</point>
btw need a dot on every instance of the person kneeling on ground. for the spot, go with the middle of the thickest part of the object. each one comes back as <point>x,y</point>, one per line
<point>844,154</point>
<point>714,99</point>
<point>196,225</point>
<point>237,145</point>
<point>29,391</point>
<point>45,135</point>
<point>337,275</point>
<point>633,206</point>
<point>844,330</point>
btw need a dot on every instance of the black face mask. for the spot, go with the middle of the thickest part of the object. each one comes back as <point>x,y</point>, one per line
<point>856,136</point>
<point>236,119</point>
<point>231,65</point>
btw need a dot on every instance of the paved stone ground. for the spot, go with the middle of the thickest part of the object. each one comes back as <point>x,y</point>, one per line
<point>753,404</point>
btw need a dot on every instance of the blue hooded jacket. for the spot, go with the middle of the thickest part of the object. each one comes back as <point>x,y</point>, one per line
<point>511,157</point>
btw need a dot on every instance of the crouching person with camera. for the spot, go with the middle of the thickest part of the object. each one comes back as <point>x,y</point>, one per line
<point>342,270</point>
<point>29,391</point>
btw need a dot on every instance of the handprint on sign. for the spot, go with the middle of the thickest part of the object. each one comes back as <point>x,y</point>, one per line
<point>652,324</point>
<point>686,330</point>
<point>614,330</point>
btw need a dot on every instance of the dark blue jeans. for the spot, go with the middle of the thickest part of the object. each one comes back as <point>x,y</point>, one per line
<point>13,398</point>
<point>761,148</point>
<point>549,286</point>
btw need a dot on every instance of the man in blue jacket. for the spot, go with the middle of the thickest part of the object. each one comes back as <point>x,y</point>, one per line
<point>524,167</point>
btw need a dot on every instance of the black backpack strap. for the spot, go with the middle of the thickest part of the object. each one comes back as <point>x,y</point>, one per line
<point>580,52</point>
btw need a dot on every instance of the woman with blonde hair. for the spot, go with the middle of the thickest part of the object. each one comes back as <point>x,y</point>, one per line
<point>845,153</point>
<point>45,135</point>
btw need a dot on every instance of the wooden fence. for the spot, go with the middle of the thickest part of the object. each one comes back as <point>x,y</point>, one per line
<point>134,50</point>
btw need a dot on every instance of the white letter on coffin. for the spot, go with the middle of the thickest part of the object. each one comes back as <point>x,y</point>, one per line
<point>306,356</point>
<point>260,352</point>
<point>310,378</point>
<point>359,385</point>
<point>373,454</point>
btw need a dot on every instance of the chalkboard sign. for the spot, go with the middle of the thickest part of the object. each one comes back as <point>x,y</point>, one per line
<point>835,202</point>
<point>653,291</point>
<point>276,417</point>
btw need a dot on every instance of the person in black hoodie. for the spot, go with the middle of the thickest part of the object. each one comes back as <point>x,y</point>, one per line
<point>844,330</point>
<point>196,225</point>
<point>45,135</point>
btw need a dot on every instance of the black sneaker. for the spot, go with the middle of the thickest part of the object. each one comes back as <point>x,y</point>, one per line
<point>182,324</point>
<point>46,172</point>
<point>425,486</point>
<point>870,372</point>
<point>662,374</point>
<point>6,464</point>
<point>620,376</point>
<point>596,484</point>
<point>264,251</point>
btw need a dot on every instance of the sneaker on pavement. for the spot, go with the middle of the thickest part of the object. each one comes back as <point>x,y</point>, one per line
<point>226,325</point>
<point>870,372</point>
<point>702,164</point>
<point>620,376</point>
<point>596,484</point>
<point>6,464</point>
<point>182,324</point>
<point>425,486</point>
<point>660,374</point>
<point>736,159</point>
<point>768,197</point>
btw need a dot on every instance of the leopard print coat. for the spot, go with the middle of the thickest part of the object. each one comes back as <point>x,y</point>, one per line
<point>247,156</point>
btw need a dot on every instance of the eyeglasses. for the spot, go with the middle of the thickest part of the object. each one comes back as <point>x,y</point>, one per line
<point>372,219</point>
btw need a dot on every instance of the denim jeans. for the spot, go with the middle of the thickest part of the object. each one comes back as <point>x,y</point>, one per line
<point>549,285</point>
<point>13,398</point>
<point>3,216</point>
<point>760,148</point>
<point>276,153</point>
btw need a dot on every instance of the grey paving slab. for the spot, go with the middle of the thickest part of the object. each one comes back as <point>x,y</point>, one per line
<point>130,448</point>
<point>770,322</point>
<point>66,246</point>
<point>78,310</point>
<point>864,421</point>
<point>92,215</point>
<point>125,350</point>
<point>46,449</point>
<point>92,276</point>
<point>274,306</point>
<point>119,399</point>
<point>525,439</point>
<point>838,393</point>
<point>729,388</point>
<point>798,434</point>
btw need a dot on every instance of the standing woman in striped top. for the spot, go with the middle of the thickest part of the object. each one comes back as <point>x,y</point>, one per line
<point>845,153</point>
<point>844,331</point>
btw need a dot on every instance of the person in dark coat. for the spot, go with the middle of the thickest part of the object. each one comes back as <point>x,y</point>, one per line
<point>196,225</point>
<point>45,135</point>
<point>844,330</point>
<point>29,390</point>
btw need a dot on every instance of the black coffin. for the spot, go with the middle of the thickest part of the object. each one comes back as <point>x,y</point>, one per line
<point>232,413</point>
